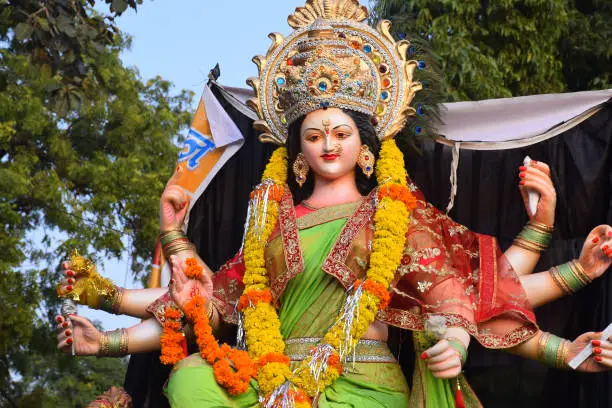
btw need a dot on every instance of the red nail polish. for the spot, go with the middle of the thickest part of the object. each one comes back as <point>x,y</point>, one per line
<point>70,273</point>
<point>598,358</point>
<point>604,248</point>
<point>522,175</point>
<point>597,350</point>
<point>595,240</point>
<point>424,356</point>
<point>59,319</point>
<point>69,287</point>
<point>522,183</point>
<point>69,340</point>
<point>65,325</point>
<point>68,333</point>
<point>596,343</point>
<point>522,168</point>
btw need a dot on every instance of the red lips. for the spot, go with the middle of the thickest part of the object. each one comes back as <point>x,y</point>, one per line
<point>329,157</point>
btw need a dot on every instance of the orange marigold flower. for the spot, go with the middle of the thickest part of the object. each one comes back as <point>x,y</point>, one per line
<point>253,297</point>
<point>334,361</point>
<point>272,358</point>
<point>398,192</point>
<point>172,313</point>
<point>194,270</point>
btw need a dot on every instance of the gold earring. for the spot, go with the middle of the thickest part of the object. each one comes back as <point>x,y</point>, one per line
<point>300,169</point>
<point>366,160</point>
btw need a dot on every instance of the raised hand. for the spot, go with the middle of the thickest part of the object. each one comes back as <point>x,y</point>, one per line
<point>182,288</point>
<point>600,360</point>
<point>81,332</point>
<point>442,360</point>
<point>596,255</point>
<point>173,207</point>
<point>536,177</point>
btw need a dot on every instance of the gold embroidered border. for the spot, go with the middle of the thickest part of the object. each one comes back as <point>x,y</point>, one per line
<point>411,321</point>
<point>326,214</point>
<point>335,264</point>
<point>291,246</point>
<point>159,305</point>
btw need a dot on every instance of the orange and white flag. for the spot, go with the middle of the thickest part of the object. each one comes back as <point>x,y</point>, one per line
<point>212,140</point>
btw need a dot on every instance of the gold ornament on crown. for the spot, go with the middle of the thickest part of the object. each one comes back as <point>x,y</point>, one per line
<point>333,59</point>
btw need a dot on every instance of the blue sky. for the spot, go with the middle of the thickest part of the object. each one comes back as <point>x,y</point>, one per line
<point>182,41</point>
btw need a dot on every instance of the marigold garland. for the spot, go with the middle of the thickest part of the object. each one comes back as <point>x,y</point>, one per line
<point>171,340</point>
<point>235,379</point>
<point>261,322</point>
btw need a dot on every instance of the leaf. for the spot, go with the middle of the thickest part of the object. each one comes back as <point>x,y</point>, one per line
<point>43,23</point>
<point>119,6</point>
<point>23,31</point>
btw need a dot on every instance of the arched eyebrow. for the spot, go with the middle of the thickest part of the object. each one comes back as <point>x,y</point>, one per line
<point>343,125</point>
<point>315,129</point>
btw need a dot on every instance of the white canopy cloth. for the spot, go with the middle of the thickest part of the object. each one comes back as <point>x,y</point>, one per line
<point>493,124</point>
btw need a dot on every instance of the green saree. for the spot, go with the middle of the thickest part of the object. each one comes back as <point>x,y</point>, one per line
<point>308,307</point>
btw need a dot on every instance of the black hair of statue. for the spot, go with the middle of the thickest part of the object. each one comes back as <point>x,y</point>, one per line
<point>368,136</point>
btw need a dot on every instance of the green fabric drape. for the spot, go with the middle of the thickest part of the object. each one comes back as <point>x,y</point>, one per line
<point>309,306</point>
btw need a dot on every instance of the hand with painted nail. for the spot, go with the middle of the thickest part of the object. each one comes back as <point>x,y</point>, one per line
<point>81,332</point>
<point>183,288</point>
<point>68,282</point>
<point>596,255</point>
<point>173,207</point>
<point>536,178</point>
<point>600,360</point>
<point>442,360</point>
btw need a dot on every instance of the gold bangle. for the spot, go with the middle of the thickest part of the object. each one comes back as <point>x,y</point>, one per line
<point>562,353</point>
<point>543,228</point>
<point>175,249</point>
<point>123,345</point>
<point>166,232</point>
<point>559,281</point>
<point>210,310</point>
<point>528,245</point>
<point>580,272</point>
<point>118,299</point>
<point>103,342</point>
<point>542,346</point>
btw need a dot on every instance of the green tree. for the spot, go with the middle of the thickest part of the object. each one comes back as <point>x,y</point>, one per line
<point>86,147</point>
<point>511,47</point>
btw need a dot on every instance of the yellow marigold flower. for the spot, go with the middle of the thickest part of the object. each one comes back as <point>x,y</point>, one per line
<point>276,169</point>
<point>390,164</point>
<point>271,376</point>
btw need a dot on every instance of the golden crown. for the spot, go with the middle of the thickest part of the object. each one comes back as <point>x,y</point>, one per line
<point>333,59</point>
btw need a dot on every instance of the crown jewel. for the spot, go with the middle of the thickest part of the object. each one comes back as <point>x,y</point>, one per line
<point>332,59</point>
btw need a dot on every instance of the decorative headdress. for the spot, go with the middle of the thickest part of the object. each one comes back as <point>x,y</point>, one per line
<point>334,59</point>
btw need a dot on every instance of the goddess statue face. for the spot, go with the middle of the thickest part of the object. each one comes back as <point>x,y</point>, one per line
<point>330,141</point>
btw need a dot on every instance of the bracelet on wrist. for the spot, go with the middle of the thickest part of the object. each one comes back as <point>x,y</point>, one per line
<point>113,343</point>
<point>112,302</point>
<point>534,237</point>
<point>553,350</point>
<point>570,277</point>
